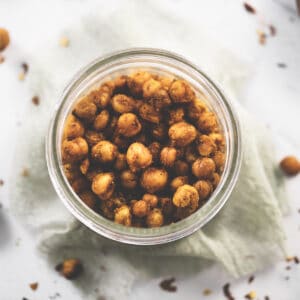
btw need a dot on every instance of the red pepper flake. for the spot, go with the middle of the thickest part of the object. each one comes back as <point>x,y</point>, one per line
<point>34,286</point>
<point>251,278</point>
<point>226,291</point>
<point>168,285</point>
<point>35,100</point>
<point>25,67</point>
<point>1,182</point>
<point>249,8</point>
<point>273,30</point>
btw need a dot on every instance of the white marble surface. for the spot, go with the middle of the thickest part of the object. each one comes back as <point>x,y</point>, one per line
<point>272,94</point>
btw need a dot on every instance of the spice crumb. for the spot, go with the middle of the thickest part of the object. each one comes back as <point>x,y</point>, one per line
<point>64,42</point>
<point>25,67</point>
<point>1,182</point>
<point>251,278</point>
<point>25,172</point>
<point>261,37</point>
<point>2,59</point>
<point>273,30</point>
<point>168,285</point>
<point>296,260</point>
<point>21,76</point>
<point>34,286</point>
<point>226,291</point>
<point>207,292</point>
<point>249,8</point>
<point>251,295</point>
<point>35,100</point>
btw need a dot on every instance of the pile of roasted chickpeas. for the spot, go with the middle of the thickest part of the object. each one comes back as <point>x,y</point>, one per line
<point>142,150</point>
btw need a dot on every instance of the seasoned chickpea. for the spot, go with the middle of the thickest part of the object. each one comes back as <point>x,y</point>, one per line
<point>176,115</point>
<point>166,82</point>
<point>159,132</point>
<point>181,168</point>
<point>84,166</point>
<point>168,156</point>
<point>154,149</point>
<point>181,92</point>
<point>140,208</point>
<point>186,196</point>
<point>104,185</point>
<point>70,268</point>
<point>101,120</point>
<point>160,100</point>
<point>93,137</point>
<point>151,199</point>
<point>190,154</point>
<point>128,179</point>
<point>80,184</point>
<point>4,39</point>
<point>182,134</point>
<point>138,157</point>
<point>121,162</point>
<point>141,138</point>
<point>122,103</point>
<point>136,81</point>
<point>155,218</point>
<point>151,87</point>
<point>129,125</point>
<point>215,179</point>
<point>196,109</point>
<point>121,141</point>
<point>167,206</point>
<point>73,128</point>
<point>88,198</point>
<point>106,210</point>
<point>290,165</point>
<point>74,150</point>
<point>149,113</point>
<point>203,168</point>
<point>204,189</point>
<point>154,179</point>
<point>207,122</point>
<point>219,140</point>
<point>101,97</point>
<point>123,215</point>
<point>177,182</point>
<point>120,83</point>
<point>219,159</point>
<point>111,126</point>
<point>85,109</point>
<point>71,171</point>
<point>206,145</point>
<point>93,172</point>
<point>104,152</point>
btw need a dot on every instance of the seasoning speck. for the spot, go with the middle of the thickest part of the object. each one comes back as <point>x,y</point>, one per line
<point>1,182</point>
<point>251,278</point>
<point>251,295</point>
<point>288,268</point>
<point>21,76</point>
<point>25,172</point>
<point>296,260</point>
<point>25,68</point>
<point>34,286</point>
<point>226,291</point>
<point>2,59</point>
<point>35,100</point>
<point>249,8</point>
<point>273,30</point>
<point>168,285</point>
<point>261,37</point>
<point>64,42</point>
<point>207,292</point>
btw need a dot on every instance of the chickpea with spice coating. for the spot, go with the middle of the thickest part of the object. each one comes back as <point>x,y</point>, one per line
<point>290,165</point>
<point>104,185</point>
<point>219,159</point>
<point>177,182</point>
<point>181,168</point>
<point>73,128</point>
<point>151,199</point>
<point>85,109</point>
<point>71,171</point>
<point>138,157</point>
<point>121,162</point>
<point>196,109</point>
<point>207,122</point>
<point>101,120</point>
<point>122,103</point>
<point>176,115</point>
<point>80,184</point>
<point>182,134</point>
<point>136,81</point>
<point>203,168</point>
<point>123,215</point>
<point>101,97</point>
<point>88,198</point>
<point>151,87</point>
<point>84,166</point>
<point>204,189</point>
<point>74,150</point>
<point>155,218</point>
<point>128,179</point>
<point>148,113</point>
<point>154,179</point>
<point>154,149</point>
<point>181,92</point>
<point>104,152</point>
<point>93,137</point>
<point>168,156</point>
<point>167,206</point>
<point>205,145</point>
<point>140,208</point>
<point>186,196</point>
<point>129,125</point>
<point>215,179</point>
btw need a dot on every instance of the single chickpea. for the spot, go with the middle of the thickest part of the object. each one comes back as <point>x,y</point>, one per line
<point>204,189</point>
<point>73,128</point>
<point>111,126</point>
<point>106,210</point>
<point>159,132</point>
<point>219,140</point>
<point>148,113</point>
<point>74,150</point>
<point>167,206</point>
<point>101,120</point>
<point>165,82</point>
<point>84,166</point>
<point>141,138</point>
<point>215,179</point>
<point>155,218</point>
<point>128,179</point>
<point>190,154</point>
<point>140,208</point>
<point>206,145</point>
<point>186,196</point>
<point>120,83</point>
<point>4,39</point>
<point>70,268</point>
<point>290,165</point>
<point>151,87</point>
<point>138,157</point>
<point>154,179</point>
<point>71,171</point>
<point>122,103</point>
<point>136,81</point>
<point>181,168</point>
<point>104,152</point>
<point>160,100</point>
<point>168,156</point>
<point>123,215</point>
<point>154,149</point>
<point>176,115</point>
<point>85,109</point>
<point>93,172</point>
<point>121,141</point>
<point>207,122</point>
<point>151,199</point>
<point>177,182</point>
<point>101,97</point>
<point>203,168</point>
<point>181,92</point>
<point>104,185</point>
<point>121,162</point>
<point>80,184</point>
<point>219,159</point>
<point>129,125</point>
<point>93,137</point>
<point>88,198</point>
<point>182,134</point>
<point>196,109</point>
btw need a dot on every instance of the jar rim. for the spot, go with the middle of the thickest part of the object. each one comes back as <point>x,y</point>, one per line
<point>144,236</point>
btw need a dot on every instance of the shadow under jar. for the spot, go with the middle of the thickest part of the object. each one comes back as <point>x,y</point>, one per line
<point>162,63</point>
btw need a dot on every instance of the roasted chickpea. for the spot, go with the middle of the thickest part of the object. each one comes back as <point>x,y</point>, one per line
<point>88,198</point>
<point>151,87</point>
<point>140,208</point>
<point>165,82</point>
<point>154,179</point>
<point>129,125</point>
<point>121,162</point>
<point>111,127</point>
<point>182,134</point>
<point>196,109</point>
<point>167,206</point>
<point>106,210</point>
<point>154,149</point>
<point>159,132</point>
<point>290,165</point>
<point>84,166</point>
<point>85,109</point>
<point>74,150</point>
<point>215,179</point>
<point>120,83</point>
<point>168,156</point>
<point>93,137</point>
<point>123,215</point>
<point>141,138</point>
<point>160,100</point>
<point>151,199</point>
<point>101,97</point>
<point>181,168</point>
<point>149,113</point>
<point>207,122</point>
<point>128,179</point>
<point>155,218</point>
<point>219,140</point>
<point>176,115</point>
<point>206,145</point>
<point>104,152</point>
<point>93,172</point>
<point>4,39</point>
<point>177,182</point>
<point>122,103</point>
<point>204,189</point>
<point>101,120</point>
<point>203,168</point>
<point>73,128</point>
<point>186,196</point>
<point>71,171</point>
<point>138,157</point>
<point>104,185</point>
<point>181,92</point>
<point>80,184</point>
<point>190,154</point>
<point>70,268</point>
<point>121,141</point>
<point>136,81</point>
<point>219,159</point>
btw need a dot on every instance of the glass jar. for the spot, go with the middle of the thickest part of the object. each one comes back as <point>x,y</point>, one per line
<point>164,63</point>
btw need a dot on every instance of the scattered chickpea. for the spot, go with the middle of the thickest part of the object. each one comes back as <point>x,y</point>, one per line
<point>4,39</point>
<point>93,137</point>
<point>203,168</point>
<point>138,157</point>
<point>129,125</point>
<point>168,156</point>
<point>123,215</point>
<point>104,152</point>
<point>186,196</point>
<point>128,179</point>
<point>101,120</point>
<point>136,81</point>
<point>181,92</point>
<point>73,128</point>
<point>290,165</point>
<point>206,145</point>
<point>140,208</point>
<point>70,268</point>
<point>204,189</point>
<point>74,150</point>
<point>122,103</point>
<point>207,122</point>
<point>155,218</point>
<point>104,185</point>
<point>178,182</point>
<point>182,134</point>
<point>151,199</point>
<point>154,179</point>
